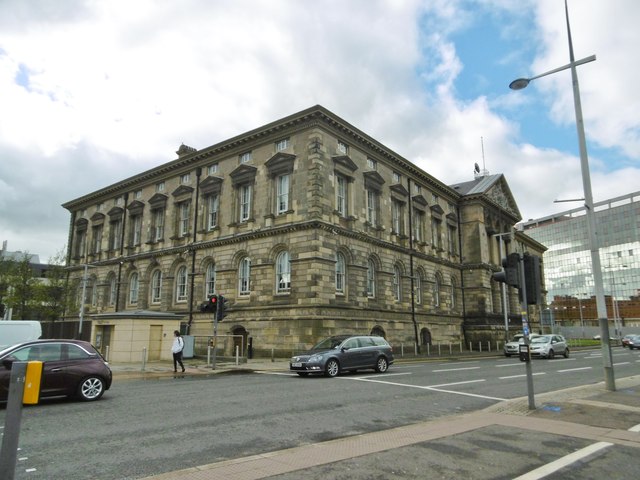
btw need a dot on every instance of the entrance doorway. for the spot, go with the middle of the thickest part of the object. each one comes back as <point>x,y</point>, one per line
<point>103,339</point>
<point>155,342</point>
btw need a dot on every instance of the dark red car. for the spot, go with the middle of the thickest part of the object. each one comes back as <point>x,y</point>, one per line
<point>70,368</point>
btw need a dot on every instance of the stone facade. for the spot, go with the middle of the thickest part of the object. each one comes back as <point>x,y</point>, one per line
<point>309,228</point>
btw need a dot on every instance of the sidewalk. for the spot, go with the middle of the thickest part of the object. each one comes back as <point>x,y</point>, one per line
<point>587,414</point>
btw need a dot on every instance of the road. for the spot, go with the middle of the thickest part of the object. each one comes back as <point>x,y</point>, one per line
<point>142,428</point>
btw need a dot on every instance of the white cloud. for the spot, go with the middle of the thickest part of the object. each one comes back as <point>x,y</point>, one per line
<point>110,88</point>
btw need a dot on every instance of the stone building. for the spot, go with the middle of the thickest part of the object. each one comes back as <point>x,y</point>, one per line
<point>309,227</point>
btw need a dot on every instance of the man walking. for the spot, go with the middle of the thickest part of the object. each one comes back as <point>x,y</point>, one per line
<point>176,349</point>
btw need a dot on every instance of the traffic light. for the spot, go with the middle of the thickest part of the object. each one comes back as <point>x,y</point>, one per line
<point>211,305</point>
<point>221,312</point>
<point>532,278</point>
<point>510,273</point>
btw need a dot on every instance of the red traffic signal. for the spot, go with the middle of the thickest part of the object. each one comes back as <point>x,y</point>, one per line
<point>213,300</point>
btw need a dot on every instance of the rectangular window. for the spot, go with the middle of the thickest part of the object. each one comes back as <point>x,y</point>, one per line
<point>245,157</point>
<point>343,148</point>
<point>417,188</point>
<point>137,194</point>
<point>137,229</point>
<point>115,234</point>
<point>158,225</point>
<point>282,193</point>
<point>341,195</point>
<point>397,220</point>
<point>282,144</point>
<point>372,207</point>
<point>245,202</point>
<point>185,178</point>
<point>396,177</point>
<point>183,221</point>
<point>212,169</point>
<point>160,187</point>
<point>213,203</point>
<point>96,245</point>
<point>372,164</point>
<point>418,226</point>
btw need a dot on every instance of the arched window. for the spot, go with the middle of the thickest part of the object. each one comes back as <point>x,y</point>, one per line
<point>156,287</point>
<point>283,273</point>
<point>210,280</point>
<point>436,290</point>
<point>112,290</point>
<point>340,273</point>
<point>371,279</point>
<point>396,284</point>
<point>181,285</point>
<point>244,275</point>
<point>133,289</point>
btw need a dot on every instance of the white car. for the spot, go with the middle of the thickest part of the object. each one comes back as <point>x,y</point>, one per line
<point>513,347</point>
<point>548,346</point>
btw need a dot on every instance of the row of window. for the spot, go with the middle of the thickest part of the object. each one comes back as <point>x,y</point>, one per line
<point>282,282</point>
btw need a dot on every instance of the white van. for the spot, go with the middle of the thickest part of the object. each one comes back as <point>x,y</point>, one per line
<point>18,331</point>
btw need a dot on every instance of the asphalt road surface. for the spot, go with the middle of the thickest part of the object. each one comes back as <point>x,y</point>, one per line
<point>141,428</point>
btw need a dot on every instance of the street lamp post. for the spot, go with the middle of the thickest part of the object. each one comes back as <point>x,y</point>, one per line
<point>588,199</point>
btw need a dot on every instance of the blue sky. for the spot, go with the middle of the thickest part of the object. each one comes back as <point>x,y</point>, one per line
<point>92,92</point>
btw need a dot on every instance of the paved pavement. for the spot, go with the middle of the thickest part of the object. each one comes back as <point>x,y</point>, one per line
<point>587,420</point>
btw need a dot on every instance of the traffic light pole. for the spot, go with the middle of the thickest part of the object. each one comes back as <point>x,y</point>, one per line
<point>526,332</point>
<point>215,336</point>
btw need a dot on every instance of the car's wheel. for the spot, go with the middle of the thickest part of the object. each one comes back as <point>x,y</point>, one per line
<point>303,374</point>
<point>332,368</point>
<point>91,388</point>
<point>551,355</point>
<point>382,365</point>
<point>566,353</point>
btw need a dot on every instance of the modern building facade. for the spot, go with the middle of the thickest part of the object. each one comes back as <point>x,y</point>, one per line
<point>308,227</point>
<point>568,269</point>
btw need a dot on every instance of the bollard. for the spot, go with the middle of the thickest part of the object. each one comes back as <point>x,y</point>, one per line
<point>106,353</point>
<point>272,355</point>
<point>144,358</point>
<point>12,420</point>
<point>208,355</point>
<point>439,350</point>
<point>237,355</point>
<point>450,348</point>
<point>470,347</point>
<point>402,349</point>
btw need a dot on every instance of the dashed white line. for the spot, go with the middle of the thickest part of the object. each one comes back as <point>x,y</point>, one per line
<point>455,369</point>
<point>574,369</point>
<point>521,375</point>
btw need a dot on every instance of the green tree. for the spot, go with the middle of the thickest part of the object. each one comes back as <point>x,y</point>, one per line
<point>21,289</point>
<point>6,271</point>
<point>54,295</point>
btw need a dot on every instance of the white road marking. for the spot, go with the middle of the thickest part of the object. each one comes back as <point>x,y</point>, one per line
<point>510,365</point>
<point>434,388</point>
<point>552,467</point>
<point>520,376</point>
<point>621,363</point>
<point>635,428</point>
<point>574,369</point>
<point>455,369</point>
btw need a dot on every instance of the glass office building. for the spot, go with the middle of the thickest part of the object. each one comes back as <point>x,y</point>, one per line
<point>567,264</point>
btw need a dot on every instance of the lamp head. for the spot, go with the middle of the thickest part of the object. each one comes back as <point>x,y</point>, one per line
<point>519,83</point>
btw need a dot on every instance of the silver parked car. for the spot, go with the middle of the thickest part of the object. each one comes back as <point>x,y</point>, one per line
<point>342,353</point>
<point>513,347</point>
<point>548,346</point>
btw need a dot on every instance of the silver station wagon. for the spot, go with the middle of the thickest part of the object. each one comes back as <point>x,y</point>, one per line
<point>344,353</point>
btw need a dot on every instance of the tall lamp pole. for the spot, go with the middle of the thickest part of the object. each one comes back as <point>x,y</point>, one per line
<point>521,83</point>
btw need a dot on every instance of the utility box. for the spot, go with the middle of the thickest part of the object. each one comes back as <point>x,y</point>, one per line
<point>32,379</point>
<point>524,353</point>
<point>189,344</point>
